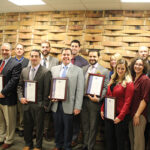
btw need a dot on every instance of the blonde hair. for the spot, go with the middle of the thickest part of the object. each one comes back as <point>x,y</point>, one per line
<point>116,57</point>
<point>127,77</point>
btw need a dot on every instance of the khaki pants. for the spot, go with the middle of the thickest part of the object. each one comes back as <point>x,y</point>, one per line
<point>7,123</point>
<point>136,134</point>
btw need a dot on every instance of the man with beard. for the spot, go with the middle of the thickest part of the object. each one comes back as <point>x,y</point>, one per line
<point>48,62</point>
<point>91,104</point>
<point>80,62</point>
<point>144,52</point>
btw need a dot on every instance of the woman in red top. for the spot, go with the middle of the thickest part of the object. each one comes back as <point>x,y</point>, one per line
<point>139,103</point>
<point>121,87</point>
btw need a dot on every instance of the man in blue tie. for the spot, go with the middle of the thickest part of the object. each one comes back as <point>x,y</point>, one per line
<point>63,111</point>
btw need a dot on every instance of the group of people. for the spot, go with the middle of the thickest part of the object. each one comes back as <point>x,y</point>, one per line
<point>79,112</point>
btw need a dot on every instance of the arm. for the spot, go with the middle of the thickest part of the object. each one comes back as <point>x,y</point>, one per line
<point>127,100</point>
<point>79,92</point>
<point>12,83</point>
<point>136,118</point>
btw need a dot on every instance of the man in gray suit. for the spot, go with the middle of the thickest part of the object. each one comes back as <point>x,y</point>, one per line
<point>63,111</point>
<point>48,62</point>
<point>34,112</point>
<point>91,104</point>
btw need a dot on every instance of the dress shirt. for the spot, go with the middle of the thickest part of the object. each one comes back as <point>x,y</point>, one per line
<point>62,69</point>
<point>45,59</point>
<point>36,69</point>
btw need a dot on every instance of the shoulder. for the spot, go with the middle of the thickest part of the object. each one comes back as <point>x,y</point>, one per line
<point>13,62</point>
<point>104,70</point>
<point>53,58</point>
<point>55,67</point>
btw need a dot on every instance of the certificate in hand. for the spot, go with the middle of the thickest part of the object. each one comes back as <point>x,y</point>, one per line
<point>1,82</point>
<point>110,108</point>
<point>95,84</point>
<point>30,91</point>
<point>59,89</point>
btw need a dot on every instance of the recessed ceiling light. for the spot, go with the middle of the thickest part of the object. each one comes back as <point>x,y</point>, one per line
<point>27,2</point>
<point>135,1</point>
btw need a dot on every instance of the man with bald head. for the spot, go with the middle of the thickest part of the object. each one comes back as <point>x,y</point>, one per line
<point>10,70</point>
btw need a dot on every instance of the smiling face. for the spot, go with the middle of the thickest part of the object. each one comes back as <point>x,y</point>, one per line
<point>35,58</point>
<point>121,70</point>
<point>45,49</point>
<point>138,67</point>
<point>19,51</point>
<point>66,57</point>
<point>75,48</point>
<point>93,58</point>
<point>143,52</point>
<point>5,51</point>
<point>113,63</point>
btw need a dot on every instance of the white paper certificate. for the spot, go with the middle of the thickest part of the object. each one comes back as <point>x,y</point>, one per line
<point>95,84</point>
<point>1,83</point>
<point>59,88</point>
<point>30,91</point>
<point>110,108</point>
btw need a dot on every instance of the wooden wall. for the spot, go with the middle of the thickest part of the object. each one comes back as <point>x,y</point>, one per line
<point>108,31</point>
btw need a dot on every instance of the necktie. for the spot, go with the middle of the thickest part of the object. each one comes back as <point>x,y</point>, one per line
<point>2,66</point>
<point>64,71</point>
<point>44,63</point>
<point>32,73</point>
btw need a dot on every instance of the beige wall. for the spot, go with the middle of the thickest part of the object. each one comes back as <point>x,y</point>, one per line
<point>109,31</point>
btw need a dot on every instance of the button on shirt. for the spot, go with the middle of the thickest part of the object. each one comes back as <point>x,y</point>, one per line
<point>45,59</point>
<point>30,73</point>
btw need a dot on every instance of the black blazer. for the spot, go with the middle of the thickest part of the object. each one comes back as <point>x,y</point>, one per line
<point>24,62</point>
<point>11,73</point>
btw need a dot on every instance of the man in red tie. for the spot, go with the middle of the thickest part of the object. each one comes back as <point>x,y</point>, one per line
<point>10,70</point>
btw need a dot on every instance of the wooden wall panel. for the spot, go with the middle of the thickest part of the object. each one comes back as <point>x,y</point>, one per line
<point>109,31</point>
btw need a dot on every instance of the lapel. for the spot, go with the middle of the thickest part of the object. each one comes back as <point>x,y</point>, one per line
<point>27,72</point>
<point>50,61</point>
<point>7,65</point>
<point>70,70</point>
<point>98,70</point>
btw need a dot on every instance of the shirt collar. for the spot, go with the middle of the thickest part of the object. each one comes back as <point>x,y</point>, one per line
<point>36,68</point>
<point>67,65</point>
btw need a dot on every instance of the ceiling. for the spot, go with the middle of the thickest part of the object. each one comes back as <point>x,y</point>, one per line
<point>65,5</point>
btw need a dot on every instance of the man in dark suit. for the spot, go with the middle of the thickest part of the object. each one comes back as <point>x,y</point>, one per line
<point>19,57</point>
<point>91,104</point>
<point>63,111</point>
<point>10,69</point>
<point>80,62</point>
<point>34,112</point>
<point>48,61</point>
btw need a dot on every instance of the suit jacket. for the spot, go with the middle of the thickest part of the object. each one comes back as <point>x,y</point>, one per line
<point>103,71</point>
<point>43,77</point>
<point>11,73</point>
<point>74,89</point>
<point>52,62</point>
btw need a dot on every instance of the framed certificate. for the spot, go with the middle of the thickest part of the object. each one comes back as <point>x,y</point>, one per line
<point>110,108</point>
<point>59,89</point>
<point>30,91</point>
<point>1,82</point>
<point>95,84</point>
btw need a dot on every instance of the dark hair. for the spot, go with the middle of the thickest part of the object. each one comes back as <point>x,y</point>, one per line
<point>65,49</point>
<point>145,65</point>
<point>36,50</point>
<point>45,41</point>
<point>76,41</point>
<point>94,50</point>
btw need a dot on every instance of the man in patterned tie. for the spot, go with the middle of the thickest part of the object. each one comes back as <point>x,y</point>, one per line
<point>63,111</point>
<point>34,112</point>
<point>48,62</point>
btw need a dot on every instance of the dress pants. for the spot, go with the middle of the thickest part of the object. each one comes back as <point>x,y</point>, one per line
<point>7,123</point>
<point>63,125</point>
<point>20,124</point>
<point>33,116</point>
<point>116,135</point>
<point>136,134</point>
<point>89,119</point>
